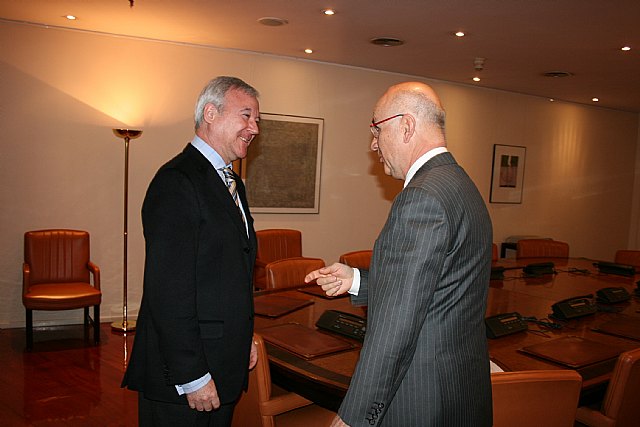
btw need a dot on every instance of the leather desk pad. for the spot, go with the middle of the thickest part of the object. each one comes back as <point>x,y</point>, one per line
<point>277,305</point>
<point>303,341</point>
<point>621,326</point>
<point>573,352</point>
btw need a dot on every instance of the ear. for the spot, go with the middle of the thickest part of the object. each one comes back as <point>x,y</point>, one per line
<point>408,127</point>
<point>209,113</point>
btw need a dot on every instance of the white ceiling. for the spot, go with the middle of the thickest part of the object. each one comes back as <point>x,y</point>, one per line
<point>520,39</point>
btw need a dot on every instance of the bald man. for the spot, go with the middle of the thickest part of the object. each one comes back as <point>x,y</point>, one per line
<point>425,360</point>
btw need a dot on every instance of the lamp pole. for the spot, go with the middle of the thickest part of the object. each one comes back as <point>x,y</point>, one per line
<point>127,135</point>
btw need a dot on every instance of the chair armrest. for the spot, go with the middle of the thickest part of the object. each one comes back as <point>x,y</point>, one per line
<point>95,270</point>
<point>260,263</point>
<point>284,403</point>
<point>26,278</point>
<point>593,418</point>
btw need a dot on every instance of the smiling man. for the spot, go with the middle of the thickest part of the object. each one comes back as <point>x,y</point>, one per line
<point>193,346</point>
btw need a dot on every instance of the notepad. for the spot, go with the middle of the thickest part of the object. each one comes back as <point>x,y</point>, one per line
<point>622,326</point>
<point>277,305</point>
<point>573,352</point>
<point>303,341</point>
<point>317,291</point>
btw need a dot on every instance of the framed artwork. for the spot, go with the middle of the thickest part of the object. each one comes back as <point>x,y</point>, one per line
<point>282,169</point>
<point>507,174</point>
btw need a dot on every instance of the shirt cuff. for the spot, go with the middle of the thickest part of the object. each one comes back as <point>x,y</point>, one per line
<point>193,385</point>
<point>355,285</point>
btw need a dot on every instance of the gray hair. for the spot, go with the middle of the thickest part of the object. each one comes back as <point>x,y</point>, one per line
<point>214,93</point>
<point>423,106</point>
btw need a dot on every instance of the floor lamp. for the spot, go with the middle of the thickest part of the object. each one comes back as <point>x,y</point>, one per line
<point>128,135</point>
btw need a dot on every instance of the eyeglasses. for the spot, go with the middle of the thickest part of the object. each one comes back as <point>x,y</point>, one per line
<point>375,130</point>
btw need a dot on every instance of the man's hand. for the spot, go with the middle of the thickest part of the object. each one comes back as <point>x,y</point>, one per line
<point>337,422</point>
<point>253,355</point>
<point>205,398</point>
<point>335,279</point>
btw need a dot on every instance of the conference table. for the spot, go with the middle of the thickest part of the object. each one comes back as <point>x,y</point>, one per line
<point>325,378</point>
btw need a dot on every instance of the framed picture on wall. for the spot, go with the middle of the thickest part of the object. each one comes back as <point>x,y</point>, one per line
<point>507,173</point>
<point>282,169</point>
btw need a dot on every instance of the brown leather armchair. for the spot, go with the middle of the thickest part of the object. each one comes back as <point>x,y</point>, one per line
<point>535,398</point>
<point>357,259</point>
<point>541,248</point>
<point>622,398</point>
<point>274,244</point>
<point>289,273</point>
<point>628,257</point>
<point>56,276</point>
<point>266,405</point>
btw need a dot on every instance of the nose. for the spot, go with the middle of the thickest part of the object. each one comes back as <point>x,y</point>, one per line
<point>253,127</point>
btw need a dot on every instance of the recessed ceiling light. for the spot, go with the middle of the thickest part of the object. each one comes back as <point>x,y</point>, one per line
<point>308,50</point>
<point>626,48</point>
<point>387,41</point>
<point>329,12</point>
<point>71,17</point>
<point>595,99</point>
<point>459,33</point>
<point>476,79</point>
<point>551,100</point>
<point>271,21</point>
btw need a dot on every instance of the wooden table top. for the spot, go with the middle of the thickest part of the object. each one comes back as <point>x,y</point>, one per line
<point>531,297</point>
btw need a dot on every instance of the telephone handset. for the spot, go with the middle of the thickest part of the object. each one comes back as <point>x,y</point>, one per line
<point>505,324</point>
<point>571,308</point>
<point>612,295</point>
<point>346,324</point>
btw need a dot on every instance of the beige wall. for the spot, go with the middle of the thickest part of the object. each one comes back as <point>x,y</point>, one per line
<point>61,166</point>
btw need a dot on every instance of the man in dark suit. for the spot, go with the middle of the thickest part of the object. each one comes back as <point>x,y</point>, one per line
<point>424,361</point>
<point>193,346</point>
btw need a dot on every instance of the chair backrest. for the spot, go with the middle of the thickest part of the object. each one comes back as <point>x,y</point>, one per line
<point>494,252</point>
<point>622,398</point>
<point>541,248</point>
<point>628,257</point>
<point>535,398</point>
<point>259,405</point>
<point>56,256</point>
<point>290,272</point>
<point>278,243</point>
<point>357,259</point>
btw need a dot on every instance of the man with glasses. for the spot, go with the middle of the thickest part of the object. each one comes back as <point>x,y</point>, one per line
<point>425,360</point>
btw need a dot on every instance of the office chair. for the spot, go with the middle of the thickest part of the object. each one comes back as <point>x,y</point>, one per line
<point>274,244</point>
<point>622,398</point>
<point>266,405</point>
<point>56,276</point>
<point>289,273</point>
<point>357,259</point>
<point>628,257</point>
<point>541,248</point>
<point>535,398</point>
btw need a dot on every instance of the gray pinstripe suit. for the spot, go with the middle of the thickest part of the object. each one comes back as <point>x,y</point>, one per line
<point>425,359</point>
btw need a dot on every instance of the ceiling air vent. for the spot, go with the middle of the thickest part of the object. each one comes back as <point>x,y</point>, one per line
<point>270,21</point>
<point>387,41</point>
<point>557,74</point>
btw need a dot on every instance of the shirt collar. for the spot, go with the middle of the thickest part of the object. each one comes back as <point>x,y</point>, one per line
<point>421,161</point>
<point>208,152</point>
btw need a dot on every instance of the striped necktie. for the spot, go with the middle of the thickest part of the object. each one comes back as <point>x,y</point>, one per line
<point>230,179</point>
<point>231,184</point>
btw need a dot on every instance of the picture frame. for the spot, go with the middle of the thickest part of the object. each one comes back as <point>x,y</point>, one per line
<point>507,173</point>
<point>281,171</point>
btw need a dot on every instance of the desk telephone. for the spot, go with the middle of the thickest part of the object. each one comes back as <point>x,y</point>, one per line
<point>346,324</point>
<point>612,295</point>
<point>571,308</point>
<point>505,324</point>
